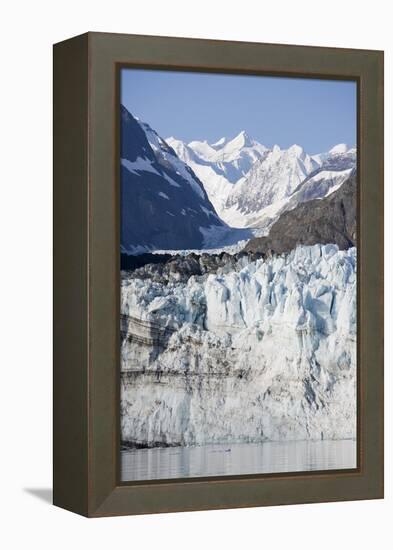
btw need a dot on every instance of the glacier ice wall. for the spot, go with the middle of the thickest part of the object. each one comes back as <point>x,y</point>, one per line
<point>264,352</point>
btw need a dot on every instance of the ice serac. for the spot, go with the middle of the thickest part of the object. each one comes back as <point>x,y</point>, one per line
<point>163,203</point>
<point>262,350</point>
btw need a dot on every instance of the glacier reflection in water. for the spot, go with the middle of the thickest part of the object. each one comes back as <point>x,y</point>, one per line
<point>237,459</point>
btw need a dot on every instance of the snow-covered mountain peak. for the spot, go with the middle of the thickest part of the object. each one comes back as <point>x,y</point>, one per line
<point>224,150</point>
<point>249,184</point>
<point>340,157</point>
<point>281,157</point>
<point>220,165</point>
<point>241,140</point>
<point>296,150</point>
<point>339,149</point>
<point>271,179</point>
<point>220,143</point>
<point>181,149</point>
<point>203,149</point>
<point>172,140</point>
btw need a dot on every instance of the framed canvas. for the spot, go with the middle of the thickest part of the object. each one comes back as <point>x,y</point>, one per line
<point>218,274</point>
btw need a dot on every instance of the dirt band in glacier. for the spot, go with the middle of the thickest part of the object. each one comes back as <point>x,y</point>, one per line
<point>238,306</point>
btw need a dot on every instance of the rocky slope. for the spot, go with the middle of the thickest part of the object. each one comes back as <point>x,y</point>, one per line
<point>328,220</point>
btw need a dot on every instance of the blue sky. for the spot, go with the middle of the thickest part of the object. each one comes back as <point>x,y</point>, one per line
<point>316,114</point>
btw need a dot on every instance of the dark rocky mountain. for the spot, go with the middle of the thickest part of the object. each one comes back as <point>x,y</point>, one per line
<point>328,220</point>
<point>163,203</point>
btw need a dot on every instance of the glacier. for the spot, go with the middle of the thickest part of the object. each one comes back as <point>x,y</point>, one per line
<point>263,350</point>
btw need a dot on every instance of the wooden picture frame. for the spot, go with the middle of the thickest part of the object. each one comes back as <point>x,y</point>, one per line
<point>86,275</point>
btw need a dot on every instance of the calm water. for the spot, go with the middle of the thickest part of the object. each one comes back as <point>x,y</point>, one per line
<point>238,459</point>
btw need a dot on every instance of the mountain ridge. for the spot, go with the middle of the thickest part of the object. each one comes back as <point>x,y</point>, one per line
<point>199,204</point>
<point>255,195</point>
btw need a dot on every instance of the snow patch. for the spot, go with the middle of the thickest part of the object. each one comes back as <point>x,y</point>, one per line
<point>207,212</point>
<point>139,165</point>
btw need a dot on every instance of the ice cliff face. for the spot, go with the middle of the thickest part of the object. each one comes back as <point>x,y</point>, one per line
<point>266,351</point>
